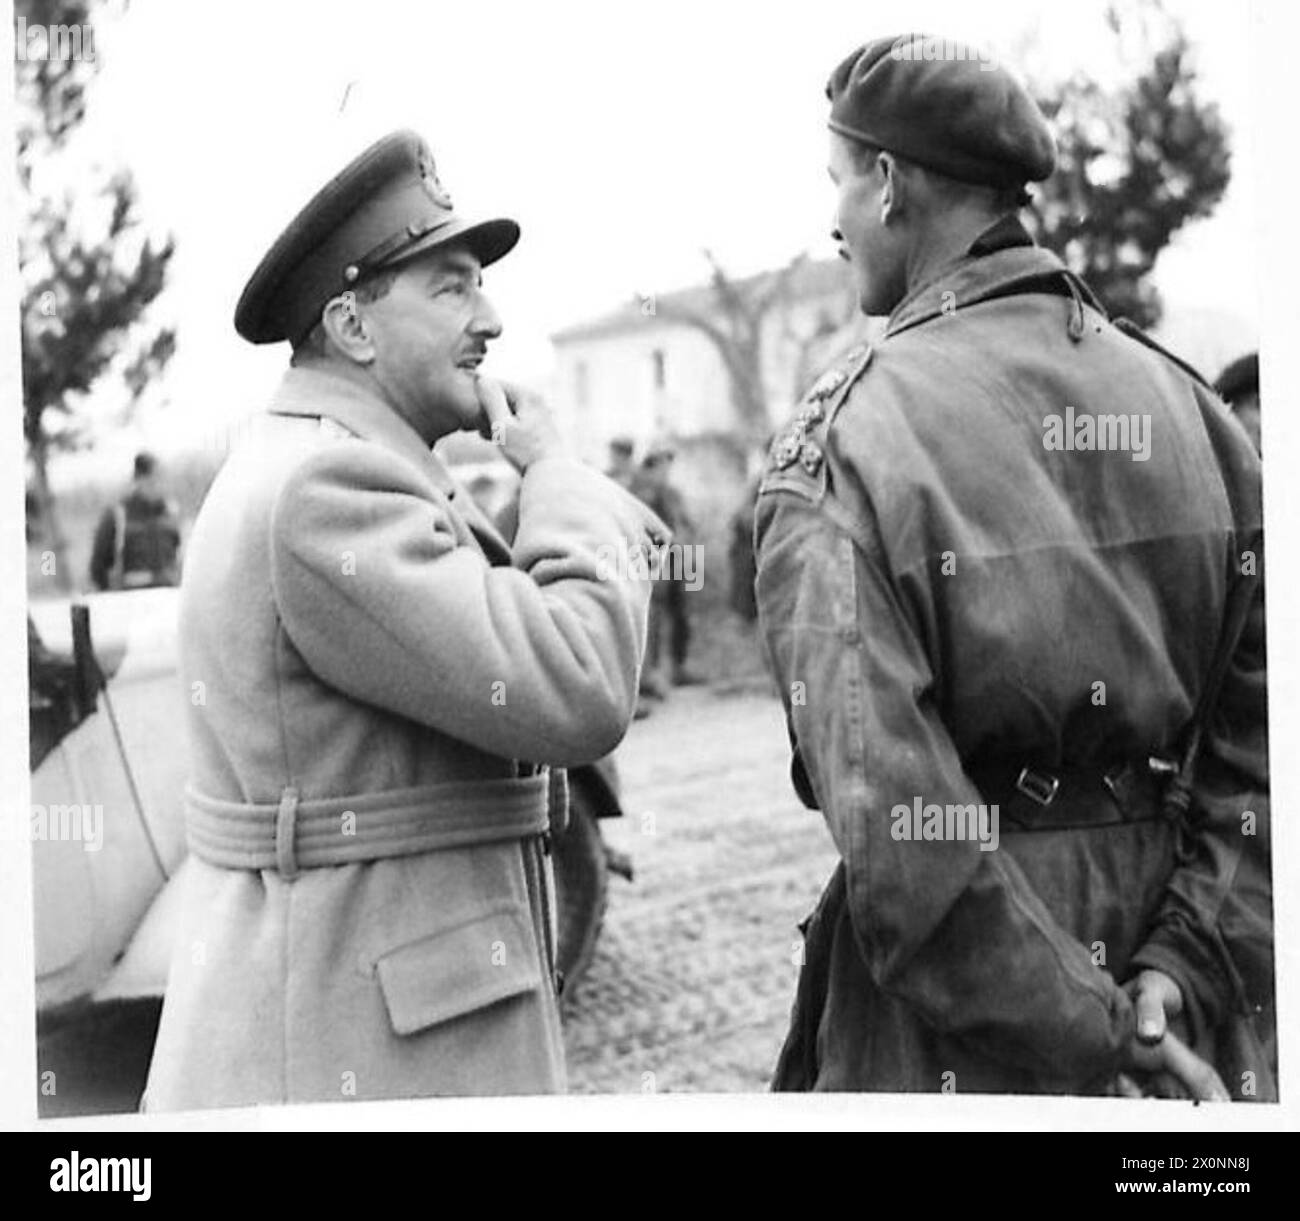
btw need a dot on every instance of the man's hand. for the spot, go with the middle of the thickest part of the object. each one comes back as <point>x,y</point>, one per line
<point>1158,1000</point>
<point>1176,1071</point>
<point>1160,1046</point>
<point>519,421</point>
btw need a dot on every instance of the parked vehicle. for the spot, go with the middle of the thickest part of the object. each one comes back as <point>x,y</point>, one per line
<point>108,840</point>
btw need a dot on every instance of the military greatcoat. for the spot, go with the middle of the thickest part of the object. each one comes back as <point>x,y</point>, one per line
<point>380,697</point>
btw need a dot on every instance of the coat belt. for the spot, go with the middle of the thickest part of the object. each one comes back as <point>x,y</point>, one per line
<point>296,834</point>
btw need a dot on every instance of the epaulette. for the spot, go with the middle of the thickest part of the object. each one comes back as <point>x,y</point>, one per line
<point>794,444</point>
<point>1133,331</point>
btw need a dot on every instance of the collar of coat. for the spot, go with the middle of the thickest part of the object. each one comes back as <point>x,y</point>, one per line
<point>1002,261</point>
<point>315,394</point>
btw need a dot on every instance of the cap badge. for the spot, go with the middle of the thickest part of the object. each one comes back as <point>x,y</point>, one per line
<point>433,188</point>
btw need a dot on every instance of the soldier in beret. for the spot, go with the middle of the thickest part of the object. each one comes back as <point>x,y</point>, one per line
<point>1238,386</point>
<point>382,694</point>
<point>992,642</point>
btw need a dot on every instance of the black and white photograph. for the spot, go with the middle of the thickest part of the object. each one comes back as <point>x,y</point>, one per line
<point>677,552</point>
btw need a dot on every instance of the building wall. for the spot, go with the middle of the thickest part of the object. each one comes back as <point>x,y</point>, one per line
<point>657,377</point>
<point>653,379</point>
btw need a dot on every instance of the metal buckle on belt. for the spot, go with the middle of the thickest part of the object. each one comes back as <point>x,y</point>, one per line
<point>1038,786</point>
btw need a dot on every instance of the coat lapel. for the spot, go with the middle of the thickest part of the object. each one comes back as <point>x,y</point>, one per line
<point>489,537</point>
<point>312,393</point>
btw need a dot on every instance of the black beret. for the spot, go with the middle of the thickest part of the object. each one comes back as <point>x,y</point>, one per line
<point>386,207</point>
<point>1240,377</point>
<point>945,106</point>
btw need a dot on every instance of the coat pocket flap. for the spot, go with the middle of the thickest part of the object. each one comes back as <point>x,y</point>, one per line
<point>458,970</point>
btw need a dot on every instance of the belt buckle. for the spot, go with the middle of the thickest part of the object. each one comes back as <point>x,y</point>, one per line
<point>1038,786</point>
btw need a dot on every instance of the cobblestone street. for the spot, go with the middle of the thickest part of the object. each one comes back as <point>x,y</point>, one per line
<point>695,971</point>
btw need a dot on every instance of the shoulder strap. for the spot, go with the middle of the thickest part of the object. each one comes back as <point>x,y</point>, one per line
<point>1133,331</point>
<point>1178,794</point>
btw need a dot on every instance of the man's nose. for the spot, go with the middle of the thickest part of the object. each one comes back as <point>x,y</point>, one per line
<point>487,322</point>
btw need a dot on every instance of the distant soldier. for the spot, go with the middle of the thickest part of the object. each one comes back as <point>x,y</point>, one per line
<point>993,606</point>
<point>621,468</point>
<point>1238,384</point>
<point>138,539</point>
<point>670,624</point>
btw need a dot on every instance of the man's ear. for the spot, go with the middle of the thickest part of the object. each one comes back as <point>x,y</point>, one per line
<point>891,190</point>
<point>346,329</point>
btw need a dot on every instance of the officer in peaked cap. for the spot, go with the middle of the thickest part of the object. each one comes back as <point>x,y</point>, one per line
<point>385,208</point>
<point>385,694</point>
<point>991,637</point>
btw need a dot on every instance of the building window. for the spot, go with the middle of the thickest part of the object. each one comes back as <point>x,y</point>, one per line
<point>661,376</point>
